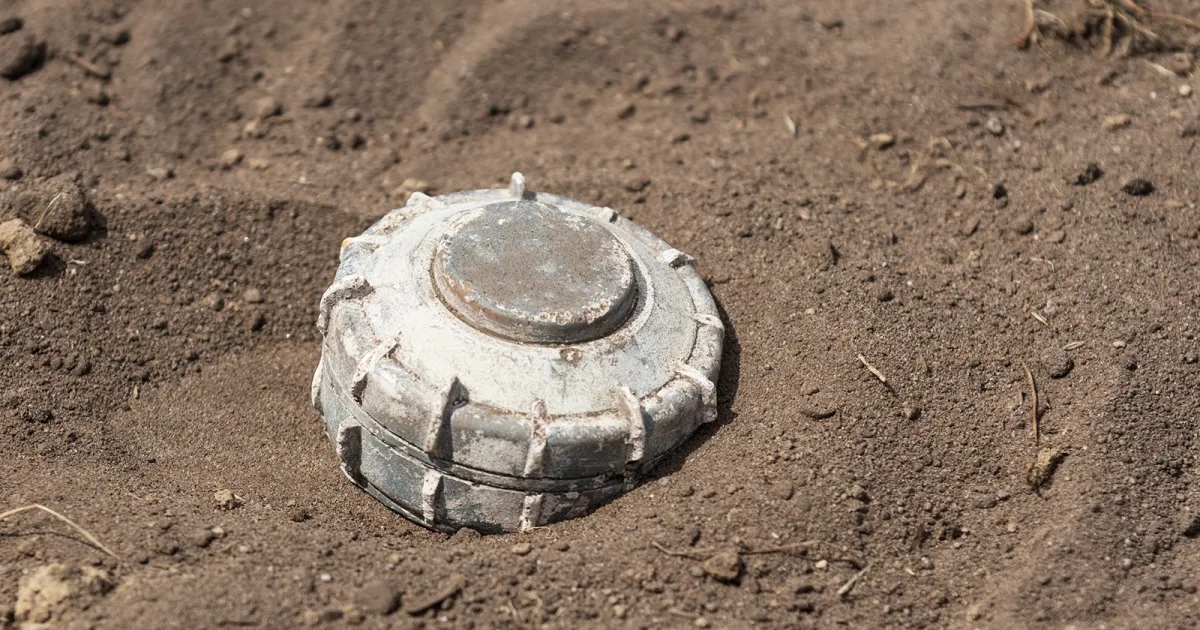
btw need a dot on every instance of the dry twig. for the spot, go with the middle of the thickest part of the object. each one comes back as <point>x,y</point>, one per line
<point>515,613</point>
<point>95,542</point>
<point>1037,432</point>
<point>849,585</point>
<point>871,368</point>
<point>91,68</point>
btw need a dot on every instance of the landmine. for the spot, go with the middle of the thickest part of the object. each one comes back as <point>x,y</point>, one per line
<point>504,359</point>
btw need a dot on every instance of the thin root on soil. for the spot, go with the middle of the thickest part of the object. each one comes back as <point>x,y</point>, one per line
<point>95,542</point>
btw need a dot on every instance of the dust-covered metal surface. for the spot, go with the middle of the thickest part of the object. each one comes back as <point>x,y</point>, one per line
<point>502,359</point>
<point>533,272</point>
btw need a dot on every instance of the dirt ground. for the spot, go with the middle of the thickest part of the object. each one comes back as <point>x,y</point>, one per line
<point>886,179</point>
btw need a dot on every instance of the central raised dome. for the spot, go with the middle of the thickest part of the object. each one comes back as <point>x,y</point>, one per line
<point>532,272</point>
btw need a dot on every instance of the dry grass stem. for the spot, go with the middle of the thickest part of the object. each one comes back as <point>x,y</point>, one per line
<point>95,542</point>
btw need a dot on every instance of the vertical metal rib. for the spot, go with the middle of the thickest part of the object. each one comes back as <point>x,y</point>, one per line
<point>348,288</point>
<point>438,431</point>
<point>636,416</point>
<point>709,320</point>
<point>367,363</point>
<point>531,512</point>
<point>535,456</point>
<point>431,491</point>
<point>315,389</point>
<point>675,258</point>
<point>708,390</point>
<point>516,186</point>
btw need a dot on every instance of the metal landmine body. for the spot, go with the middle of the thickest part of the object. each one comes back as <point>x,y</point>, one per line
<point>503,359</point>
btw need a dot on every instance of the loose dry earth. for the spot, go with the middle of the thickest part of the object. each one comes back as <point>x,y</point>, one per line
<point>885,178</point>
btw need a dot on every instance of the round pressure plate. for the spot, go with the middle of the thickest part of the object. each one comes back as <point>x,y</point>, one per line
<point>502,359</point>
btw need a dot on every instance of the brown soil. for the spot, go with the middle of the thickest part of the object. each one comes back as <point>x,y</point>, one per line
<point>140,379</point>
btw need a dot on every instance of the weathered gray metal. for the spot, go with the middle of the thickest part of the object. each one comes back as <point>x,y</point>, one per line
<point>502,359</point>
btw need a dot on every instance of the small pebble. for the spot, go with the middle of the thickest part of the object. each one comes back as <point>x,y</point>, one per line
<point>522,549</point>
<point>160,172</point>
<point>1057,363</point>
<point>1023,225</point>
<point>1115,122</point>
<point>204,538</point>
<point>231,158</point>
<point>254,129</point>
<point>882,141</point>
<point>10,24</point>
<point>9,170</point>
<point>20,55</point>
<point>379,597</point>
<point>95,93</point>
<point>67,215</point>
<point>637,184</point>
<point>1090,173</point>
<point>317,99</point>
<point>314,618</point>
<point>1138,187</point>
<point>226,499</point>
<point>1179,63</point>
<point>724,566</point>
<point>213,302</point>
<point>252,296</point>
<point>994,126</point>
<point>256,321</point>
<point>116,37</point>
<point>1042,469</point>
<point>817,413</point>
<point>24,248</point>
<point>267,107</point>
<point>1185,90</point>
